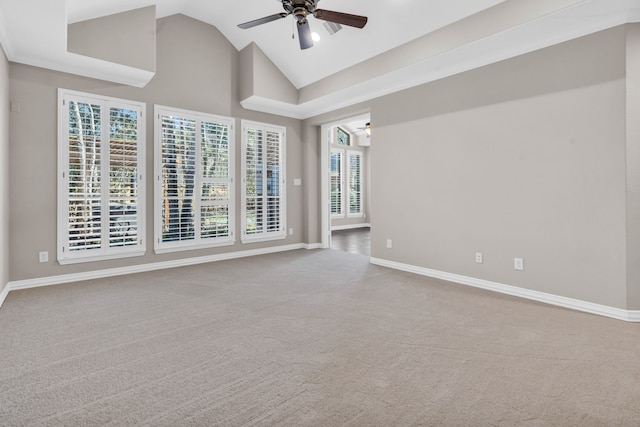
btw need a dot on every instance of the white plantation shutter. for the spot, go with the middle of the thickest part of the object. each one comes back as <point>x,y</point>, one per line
<point>336,182</point>
<point>194,183</point>
<point>84,178</point>
<point>124,195</point>
<point>273,177</point>
<point>253,182</point>
<point>263,182</point>
<point>355,183</point>
<point>216,188</point>
<point>178,177</point>
<point>101,164</point>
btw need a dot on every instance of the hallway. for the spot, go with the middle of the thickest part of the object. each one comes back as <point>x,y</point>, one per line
<point>355,241</point>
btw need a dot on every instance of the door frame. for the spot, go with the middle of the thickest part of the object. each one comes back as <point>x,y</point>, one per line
<point>325,175</point>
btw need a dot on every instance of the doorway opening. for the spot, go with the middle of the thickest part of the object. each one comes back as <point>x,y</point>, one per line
<point>345,184</point>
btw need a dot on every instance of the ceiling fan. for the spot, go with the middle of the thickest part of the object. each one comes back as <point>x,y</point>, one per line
<point>300,9</point>
<point>366,129</point>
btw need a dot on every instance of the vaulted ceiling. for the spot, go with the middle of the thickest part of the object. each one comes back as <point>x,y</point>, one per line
<point>405,42</point>
<point>391,23</point>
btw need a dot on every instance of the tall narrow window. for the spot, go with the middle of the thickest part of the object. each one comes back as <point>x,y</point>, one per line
<point>194,182</point>
<point>336,182</point>
<point>355,183</point>
<point>263,182</point>
<point>101,166</point>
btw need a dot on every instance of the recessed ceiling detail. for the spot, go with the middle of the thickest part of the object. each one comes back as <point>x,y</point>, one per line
<point>404,43</point>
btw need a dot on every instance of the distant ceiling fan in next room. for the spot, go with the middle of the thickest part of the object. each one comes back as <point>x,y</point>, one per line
<point>301,9</point>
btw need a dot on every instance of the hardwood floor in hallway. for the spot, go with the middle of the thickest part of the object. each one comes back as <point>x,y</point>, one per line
<point>355,241</point>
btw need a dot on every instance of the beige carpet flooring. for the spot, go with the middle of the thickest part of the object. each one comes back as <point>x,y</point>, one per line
<point>318,338</point>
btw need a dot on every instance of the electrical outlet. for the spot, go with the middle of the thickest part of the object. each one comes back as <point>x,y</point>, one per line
<point>291,232</point>
<point>389,243</point>
<point>479,257</point>
<point>518,264</point>
<point>43,256</point>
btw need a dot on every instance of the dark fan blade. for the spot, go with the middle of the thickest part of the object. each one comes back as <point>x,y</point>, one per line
<point>304,34</point>
<point>341,18</point>
<point>264,20</point>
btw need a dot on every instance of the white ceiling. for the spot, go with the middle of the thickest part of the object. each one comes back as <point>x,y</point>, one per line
<point>391,23</point>
<point>34,32</point>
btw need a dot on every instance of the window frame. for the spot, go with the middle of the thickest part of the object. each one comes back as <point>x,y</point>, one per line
<point>198,242</point>
<point>282,217</point>
<point>105,252</point>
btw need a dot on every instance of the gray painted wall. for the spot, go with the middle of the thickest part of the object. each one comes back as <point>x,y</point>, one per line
<point>133,44</point>
<point>245,68</point>
<point>196,70</point>
<point>529,158</point>
<point>633,165</point>
<point>524,158</point>
<point>4,170</point>
<point>260,77</point>
<point>535,157</point>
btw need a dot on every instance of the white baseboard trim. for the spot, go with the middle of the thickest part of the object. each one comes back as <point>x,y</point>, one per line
<point>313,245</point>
<point>574,304</point>
<point>633,316</point>
<point>350,226</point>
<point>111,272</point>
<point>4,294</point>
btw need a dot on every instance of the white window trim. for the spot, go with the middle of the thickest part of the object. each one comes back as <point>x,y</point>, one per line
<point>348,183</point>
<point>161,247</point>
<point>65,256</point>
<point>264,236</point>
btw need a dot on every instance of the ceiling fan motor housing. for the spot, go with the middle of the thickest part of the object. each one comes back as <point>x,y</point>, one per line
<point>300,8</point>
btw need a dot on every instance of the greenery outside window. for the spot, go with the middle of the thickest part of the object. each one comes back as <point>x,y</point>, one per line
<point>194,189</point>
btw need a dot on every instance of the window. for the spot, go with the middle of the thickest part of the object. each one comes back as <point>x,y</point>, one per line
<point>263,182</point>
<point>346,183</point>
<point>336,182</point>
<point>355,183</point>
<point>342,137</point>
<point>194,191</point>
<point>101,166</point>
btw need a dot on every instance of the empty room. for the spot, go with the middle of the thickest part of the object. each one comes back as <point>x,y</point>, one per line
<point>320,212</point>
